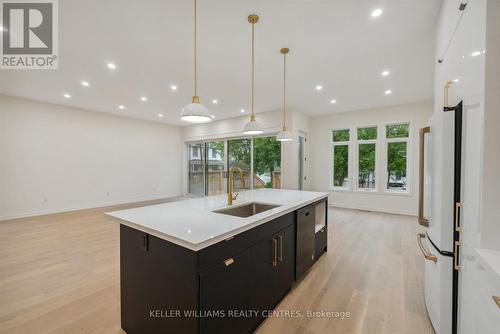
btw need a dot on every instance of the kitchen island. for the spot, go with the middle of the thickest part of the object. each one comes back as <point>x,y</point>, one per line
<point>200,266</point>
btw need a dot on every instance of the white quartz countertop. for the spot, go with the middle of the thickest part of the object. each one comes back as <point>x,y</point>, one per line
<point>192,224</point>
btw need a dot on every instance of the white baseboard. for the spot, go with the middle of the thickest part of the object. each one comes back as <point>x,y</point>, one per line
<point>382,210</point>
<point>83,207</point>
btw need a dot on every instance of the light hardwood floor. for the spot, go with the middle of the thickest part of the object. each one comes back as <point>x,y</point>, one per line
<point>60,274</point>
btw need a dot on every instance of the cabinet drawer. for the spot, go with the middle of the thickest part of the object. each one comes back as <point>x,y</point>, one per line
<point>216,254</point>
<point>321,241</point>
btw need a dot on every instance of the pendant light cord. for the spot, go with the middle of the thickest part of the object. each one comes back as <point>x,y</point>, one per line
<point>284,90</point>
<point>195,58</point>
<point>253,68</point>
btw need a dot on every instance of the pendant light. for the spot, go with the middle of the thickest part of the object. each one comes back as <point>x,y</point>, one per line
<point>253,127</point>
<point>284,135</point>
<point>195,112</point>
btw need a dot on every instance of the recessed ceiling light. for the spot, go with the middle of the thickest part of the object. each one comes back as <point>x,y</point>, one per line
<point>333,101</point>
<point>160,115</point>
<point>456,80</point>
<point>173,87</point>
<point>214,101</point>
<point>144,99</point>
<point>242,110</point>
<point>377,12</point>
<point>67,96</point>
<point>212,116</point>
<point>111,66</point>
<point>475,53</point>
<point>385,73</point>
<point>85,83</point>
<point>319,87</point>
<point>388,92</point>
<point>121,107</point>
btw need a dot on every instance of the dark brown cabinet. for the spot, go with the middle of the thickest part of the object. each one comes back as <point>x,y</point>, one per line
<point>305,239</point>
<point>227,287</point>
<point>249,283</point>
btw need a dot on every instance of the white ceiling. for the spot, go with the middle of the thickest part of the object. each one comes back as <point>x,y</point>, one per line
<point>333,43</point>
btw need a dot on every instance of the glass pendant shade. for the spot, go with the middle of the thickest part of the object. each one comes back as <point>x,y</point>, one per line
<point>253,127</point>
<point>196,112</point>
<point>284,135</point>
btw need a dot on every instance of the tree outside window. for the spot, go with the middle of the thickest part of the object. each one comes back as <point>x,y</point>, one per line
<point>367,155</point>
<point>341,144</point>
<point>397,136</point>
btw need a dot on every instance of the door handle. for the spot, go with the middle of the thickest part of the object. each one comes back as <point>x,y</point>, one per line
<point>458,206</point>
<point>446,88</point>
<point>455,256</point>
<point>428,255</point>
<point>421,170</point>
<point>280,256</point>
<point>275,252</point>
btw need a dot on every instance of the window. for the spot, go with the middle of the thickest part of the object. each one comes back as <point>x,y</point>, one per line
<point>340,177</point>
<point>266,163</point>
<point>367,157</point>
<point>215,168</point>
<point>397,136</point>
<point>239,155</point>
<point>196,172</point>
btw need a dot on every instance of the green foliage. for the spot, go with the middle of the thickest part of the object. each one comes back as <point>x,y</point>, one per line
<point>397,131</point>
<point>340,135</point>
<point>367,133</point>
<point>340,164</point>
<point>366,161</point>
<point>218,146</point>
<point>396,159</point>
<point>239,153</point>
<point>266,155</point>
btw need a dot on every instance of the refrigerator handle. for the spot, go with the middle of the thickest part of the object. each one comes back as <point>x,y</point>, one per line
<point>428,255</point>
<point>421,177</point>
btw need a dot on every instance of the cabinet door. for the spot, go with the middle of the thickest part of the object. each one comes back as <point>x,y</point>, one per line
<point>285,272</point>
<point>276,268</point>
<point>226,288</point>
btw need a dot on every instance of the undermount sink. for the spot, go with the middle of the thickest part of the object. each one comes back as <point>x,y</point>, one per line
<point>246,210</point>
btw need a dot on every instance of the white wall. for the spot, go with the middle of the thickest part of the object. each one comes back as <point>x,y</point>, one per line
<point>320,155</point>
<point>272,122</point>
<point>55,158</point>
<point>490,234</point>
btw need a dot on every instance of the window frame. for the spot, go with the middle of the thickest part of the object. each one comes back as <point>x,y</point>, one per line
<point>204,144</point>
<point>332,159</point>
<point>356,159</point>
<point>409,158</point>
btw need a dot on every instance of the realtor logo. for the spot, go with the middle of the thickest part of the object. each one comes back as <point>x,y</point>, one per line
<point>29,34</point>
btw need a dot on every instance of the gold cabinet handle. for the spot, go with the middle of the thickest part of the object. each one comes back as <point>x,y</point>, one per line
<point>446,88</point>
<point>229,262</point>
<point>421,186</point>
<point>496,299</point>
<point>458,206</point>
<point>275,252</point>
<point>455,256</point>
<point>428,255</point>
<point>280,256</point>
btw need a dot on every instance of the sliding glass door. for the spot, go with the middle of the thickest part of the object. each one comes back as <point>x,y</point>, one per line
<point>266,163</point>
<point>196,169</point>
<point>239,155</point>
<point>208,163</point>
<point>216,179</point>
